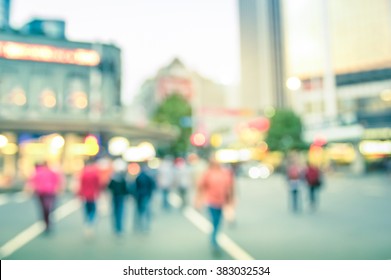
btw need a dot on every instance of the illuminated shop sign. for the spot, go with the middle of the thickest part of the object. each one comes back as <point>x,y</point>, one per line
<point>45,53</point>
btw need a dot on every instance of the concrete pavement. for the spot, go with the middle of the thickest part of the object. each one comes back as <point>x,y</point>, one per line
<point>352,223</point>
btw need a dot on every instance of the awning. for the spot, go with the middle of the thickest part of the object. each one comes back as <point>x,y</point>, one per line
<point>113,127</point>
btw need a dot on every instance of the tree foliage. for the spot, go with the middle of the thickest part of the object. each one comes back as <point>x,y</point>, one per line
<point>285,132</point>
<point>175,110</point>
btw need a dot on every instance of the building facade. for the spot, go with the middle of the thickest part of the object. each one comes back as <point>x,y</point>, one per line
<point>207,99</point>
<point>262,54</point>
<point>58,78</point>
<point>60,102</point>
<point>5,7</point>
<point>360,56</point>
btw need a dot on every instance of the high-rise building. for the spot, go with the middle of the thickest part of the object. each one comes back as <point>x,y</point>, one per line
<point>360,34</point>
<point>262,54</point>
<point>356,50</point>
<point>4,14</point>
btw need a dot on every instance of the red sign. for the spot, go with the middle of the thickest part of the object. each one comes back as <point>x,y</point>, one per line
<point>170,85</point>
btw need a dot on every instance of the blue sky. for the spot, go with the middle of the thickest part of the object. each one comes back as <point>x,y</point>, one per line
<point>203,33</point>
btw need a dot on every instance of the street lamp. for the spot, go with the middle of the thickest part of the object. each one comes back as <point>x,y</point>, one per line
<point>294,84</point>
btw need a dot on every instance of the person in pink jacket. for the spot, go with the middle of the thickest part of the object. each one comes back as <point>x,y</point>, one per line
<point>216,188</point>
<point>46,183</point>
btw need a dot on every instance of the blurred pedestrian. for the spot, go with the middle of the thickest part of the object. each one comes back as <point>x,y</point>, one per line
<point>216,187</point>
<point>89,190</point>
<point>198,168</point>
<point>46,183</point>
<point>118,188</point>
<point>313,178</point>
<point>229,210</point>
<point>388,166</point>
<point>294,175</point>
<point>144,187</point>
<point>165,178</point>
<point>183,179</point>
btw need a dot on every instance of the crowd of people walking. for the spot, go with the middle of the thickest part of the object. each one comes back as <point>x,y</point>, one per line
<point>209,186</point>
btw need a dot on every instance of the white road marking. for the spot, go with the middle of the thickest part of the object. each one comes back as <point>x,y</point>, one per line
<point>36,229</point>
<point>66,209</point>
<point>3,199</point>
<point>21,197</point>
<point>226,243</point>
<point>14,198</point>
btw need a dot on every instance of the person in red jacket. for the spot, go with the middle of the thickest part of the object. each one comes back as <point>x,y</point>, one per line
<point>216,188</point>
<point>313,177</point>
<point>89,191</point>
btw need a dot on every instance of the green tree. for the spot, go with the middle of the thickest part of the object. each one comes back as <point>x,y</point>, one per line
<point>285,132</point>
<point>175,110</point>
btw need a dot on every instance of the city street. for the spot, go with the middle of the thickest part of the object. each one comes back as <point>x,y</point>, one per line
<point>352,222</point>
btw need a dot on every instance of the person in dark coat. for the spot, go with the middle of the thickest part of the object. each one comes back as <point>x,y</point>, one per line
<point>144,186</point>
<point>118,188</point>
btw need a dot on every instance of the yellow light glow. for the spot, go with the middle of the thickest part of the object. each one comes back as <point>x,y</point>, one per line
<point>263,147</point>
<point>46,53</point>
<point>18,97</point>
<point>91,139</point>
<point>244,154</point>
<point>3,141</point>
<point>78,149</point>
<point>10,149</point>
<point>375,147</point>
<point>147,150</point>
<point>34,148</point>
<point>87,149</point>
<point>80,100</point>
<point>227,155</point>
<point>341,152</point>
<point>57,142</point>
<point>216,140</point>
<point>385,95</point>
<point>132,154</point>
<point>250,136</point>
<point>118,145</point>
<point>91,149</point>
<point>48,99</point>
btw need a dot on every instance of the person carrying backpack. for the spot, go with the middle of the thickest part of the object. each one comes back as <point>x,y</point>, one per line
<point>313,178</point>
